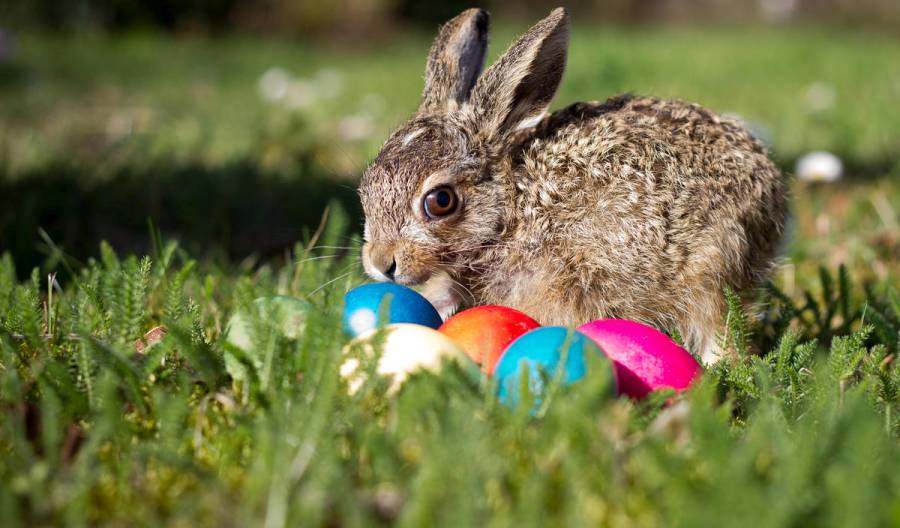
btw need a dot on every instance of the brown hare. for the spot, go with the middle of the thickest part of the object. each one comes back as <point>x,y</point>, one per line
<point>635,208</point>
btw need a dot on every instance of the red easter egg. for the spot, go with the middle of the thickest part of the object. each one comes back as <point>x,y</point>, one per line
<point>485,331</point>
<point>645,359</point>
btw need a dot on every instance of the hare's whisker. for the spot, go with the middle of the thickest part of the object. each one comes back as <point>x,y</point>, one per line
<point>339,277</point>
<point>320,257</point>
<point>335,247</point>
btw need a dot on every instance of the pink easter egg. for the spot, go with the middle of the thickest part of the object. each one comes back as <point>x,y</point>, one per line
<point>645,359</point>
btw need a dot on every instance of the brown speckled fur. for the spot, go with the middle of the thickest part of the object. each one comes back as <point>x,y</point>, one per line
<point>635,208</point>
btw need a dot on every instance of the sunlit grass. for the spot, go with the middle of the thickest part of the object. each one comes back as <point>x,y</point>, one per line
<point>99,133</point>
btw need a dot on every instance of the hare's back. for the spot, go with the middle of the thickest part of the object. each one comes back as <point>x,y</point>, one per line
<point>667,183</point>
<point>668,143</point>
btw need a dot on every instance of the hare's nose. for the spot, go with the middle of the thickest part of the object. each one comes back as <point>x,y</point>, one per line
<point>389,272</point>
<point>383,260</point>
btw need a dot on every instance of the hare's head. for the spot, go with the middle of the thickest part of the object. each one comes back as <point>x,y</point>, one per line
<point>434,194</point>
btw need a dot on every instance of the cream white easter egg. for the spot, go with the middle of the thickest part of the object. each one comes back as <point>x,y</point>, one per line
<point>405,348</point>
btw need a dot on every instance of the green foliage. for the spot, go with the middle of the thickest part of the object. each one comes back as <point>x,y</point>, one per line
<point>94,433</point>
<point>801,428</point>
<point>835,311</point>
<point>198,99</point>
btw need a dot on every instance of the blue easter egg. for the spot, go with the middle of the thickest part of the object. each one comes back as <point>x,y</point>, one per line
<point>363,305</point>
<point>542,350</point>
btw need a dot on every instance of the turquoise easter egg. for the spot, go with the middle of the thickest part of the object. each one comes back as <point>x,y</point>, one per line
<point>365,305</point>
<point>554,351</point>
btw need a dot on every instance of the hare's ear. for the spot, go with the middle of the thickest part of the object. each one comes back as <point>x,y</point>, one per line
<point>455,61</point>
<point>521,84</point>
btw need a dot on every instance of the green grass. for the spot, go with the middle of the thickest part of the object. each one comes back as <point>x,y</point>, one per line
<point>101,98</point>
<point>93,433</point>
<point>98,134</point>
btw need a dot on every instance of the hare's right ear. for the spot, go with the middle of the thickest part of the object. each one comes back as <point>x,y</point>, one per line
<point>520,85</point>
<point>455,61</point>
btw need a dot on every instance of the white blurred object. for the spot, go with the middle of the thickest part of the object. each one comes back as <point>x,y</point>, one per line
<point>120,125</point>
<point>356,127</point>
<point>301,94</point>
<point>274,84</point>
<point>373,103</point>
<point>819,166</point>
<point>778,10</point>
<point>329,82</point>
<point>820,96</point>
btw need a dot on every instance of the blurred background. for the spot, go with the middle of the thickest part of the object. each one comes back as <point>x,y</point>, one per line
<point>231,124</point>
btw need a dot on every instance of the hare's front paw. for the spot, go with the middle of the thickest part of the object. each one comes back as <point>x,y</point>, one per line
<point>444,293</point>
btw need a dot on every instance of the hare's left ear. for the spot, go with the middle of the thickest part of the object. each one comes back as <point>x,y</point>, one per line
<point>520,85</point>
<point>455,61</point>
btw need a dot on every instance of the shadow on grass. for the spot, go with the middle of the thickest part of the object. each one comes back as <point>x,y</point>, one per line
<point>235,210</point>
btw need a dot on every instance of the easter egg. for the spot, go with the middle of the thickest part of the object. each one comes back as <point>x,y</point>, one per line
<point>645,359</point>
<point>406,348</point>
<point>364,305</point>
<point>484,332</point>
<point>553,350</point>
<point>262,319</point>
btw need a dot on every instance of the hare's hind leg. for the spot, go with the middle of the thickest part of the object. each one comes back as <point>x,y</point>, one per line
<point>701,325</point>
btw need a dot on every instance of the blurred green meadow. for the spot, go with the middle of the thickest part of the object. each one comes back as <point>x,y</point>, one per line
<point>256,135</point>
<point>218,169</point>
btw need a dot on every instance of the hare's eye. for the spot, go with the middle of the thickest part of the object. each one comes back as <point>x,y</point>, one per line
<point>439,202</point>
